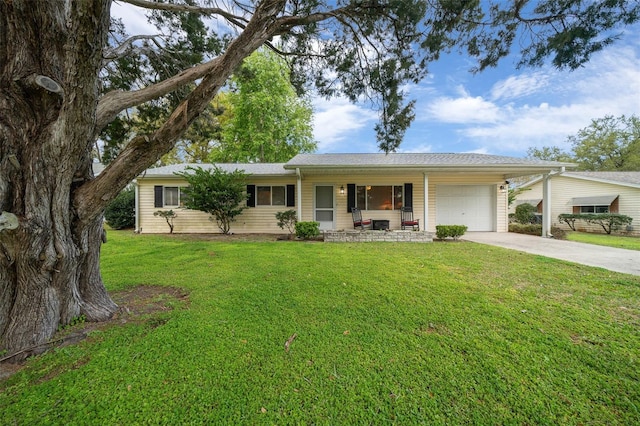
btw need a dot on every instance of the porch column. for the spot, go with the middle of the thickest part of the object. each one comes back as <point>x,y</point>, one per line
<point>546,206</point>
<point>425,220</point>
<point>299,195</point>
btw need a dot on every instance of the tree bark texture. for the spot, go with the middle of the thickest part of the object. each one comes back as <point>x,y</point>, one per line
<point>49,265</point>
<point>50,114</point>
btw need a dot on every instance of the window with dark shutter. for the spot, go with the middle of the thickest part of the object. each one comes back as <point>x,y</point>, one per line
<point>157,196</point>
<point>251,195</point>
<point>351,196</point>
<point>291,195</point>
<point>408,195</point>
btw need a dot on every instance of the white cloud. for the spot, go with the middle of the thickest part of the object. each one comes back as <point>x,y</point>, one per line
<point>543,108</point>
<point>336,120</point>
<point>465,109</point>
<point>134,18</point>
<point>517,86</point>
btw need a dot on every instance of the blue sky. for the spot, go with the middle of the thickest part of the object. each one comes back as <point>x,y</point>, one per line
<point>501,111</point>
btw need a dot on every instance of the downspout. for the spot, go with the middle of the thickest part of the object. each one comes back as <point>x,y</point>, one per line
<point>546,206</point>
<point>137,206</point>
<point>299,195</point>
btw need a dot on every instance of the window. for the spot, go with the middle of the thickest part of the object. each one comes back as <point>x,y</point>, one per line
<point>173,196</point>
<point>370,197</point>
<point>594,209</point>
<point>271,195</point>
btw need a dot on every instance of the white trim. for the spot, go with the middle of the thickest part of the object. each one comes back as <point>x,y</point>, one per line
<point>546,206</point>
<point>425,219</point>
<point>136,205</point>
<point>299,191</point>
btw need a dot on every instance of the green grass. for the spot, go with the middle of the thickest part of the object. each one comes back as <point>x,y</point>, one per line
<point>442,333</point>
<point>629,243</point>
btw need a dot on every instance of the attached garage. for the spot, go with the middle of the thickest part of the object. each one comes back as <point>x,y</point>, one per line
<point>470,205</point>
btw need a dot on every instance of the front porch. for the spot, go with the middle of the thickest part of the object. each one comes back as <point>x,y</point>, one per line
<point>353,236</point>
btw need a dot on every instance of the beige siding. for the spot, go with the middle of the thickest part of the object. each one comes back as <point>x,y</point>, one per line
<point>262,219</point>
<point>259,219</point>
<point>564,189</point>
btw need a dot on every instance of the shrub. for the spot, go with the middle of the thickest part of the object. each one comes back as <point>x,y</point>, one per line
<point>525,213</point>
<point>536,229</point>
<point>569,219</point>
<point>287,219</point>
<point>216,192</point>
<point>121,212</point>
<point>453,231</point>
<point>608,221</point>
<point>168,215</point>
<point>306,230</point>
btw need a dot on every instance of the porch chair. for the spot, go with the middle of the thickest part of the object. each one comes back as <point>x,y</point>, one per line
<point>356,213</point>
<point>406,219</point>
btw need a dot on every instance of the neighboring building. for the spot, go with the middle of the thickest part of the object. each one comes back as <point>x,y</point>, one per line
<point>588,192</point>
<point>459,189</point>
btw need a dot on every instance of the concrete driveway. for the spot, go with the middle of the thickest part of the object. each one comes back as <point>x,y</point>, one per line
<point>613,259</point>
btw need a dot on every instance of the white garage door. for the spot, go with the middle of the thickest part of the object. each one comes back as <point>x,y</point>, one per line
<point>471,205</point>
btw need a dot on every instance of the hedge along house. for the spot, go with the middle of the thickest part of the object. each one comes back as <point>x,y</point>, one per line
<point>588,192</point>
<point>442,189</point>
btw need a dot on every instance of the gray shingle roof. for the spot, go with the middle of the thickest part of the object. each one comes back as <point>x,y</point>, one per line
<point>620,177</point>
<point>411,160</point>
<point>264,169</point>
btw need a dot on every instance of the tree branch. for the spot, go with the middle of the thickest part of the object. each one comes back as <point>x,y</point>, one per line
<point>125,48</point>
<point>144,150</point>
<point>207,11</point>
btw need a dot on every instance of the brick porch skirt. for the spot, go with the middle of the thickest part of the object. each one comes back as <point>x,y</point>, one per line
<point>353,236</point>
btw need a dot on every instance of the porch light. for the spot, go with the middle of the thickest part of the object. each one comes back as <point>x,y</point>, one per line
<point>341,189</point>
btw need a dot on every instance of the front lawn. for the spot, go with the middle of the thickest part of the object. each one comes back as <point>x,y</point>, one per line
<point>442,333</point>
<point>629,243</point>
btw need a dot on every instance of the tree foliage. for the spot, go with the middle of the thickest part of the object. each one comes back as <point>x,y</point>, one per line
<point>607,144</point>
<point>216,192</point>
<point>121,212</point>
<point>267,121</point>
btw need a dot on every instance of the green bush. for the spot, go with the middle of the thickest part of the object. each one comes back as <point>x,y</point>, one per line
<point>169,216</point>
<point>306,230</point>
<point>608,221</point>
<point>121,212</point>
<point>453,231</point>
<point>287,219</point>
<point>569,219</point>
<point>536,229</point>
<point>525,213</point>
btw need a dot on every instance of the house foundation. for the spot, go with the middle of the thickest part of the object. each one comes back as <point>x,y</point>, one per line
<point>377,236</point>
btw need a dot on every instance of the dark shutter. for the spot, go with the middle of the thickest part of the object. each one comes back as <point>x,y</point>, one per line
<point>351,196</point>
<point>291,195</point>
<point>251,195</point>
<point>408,195</point>
<point>157,196</point>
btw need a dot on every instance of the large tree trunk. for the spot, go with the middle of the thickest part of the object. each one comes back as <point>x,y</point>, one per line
<point>50,59</point>
<point>49,264</point>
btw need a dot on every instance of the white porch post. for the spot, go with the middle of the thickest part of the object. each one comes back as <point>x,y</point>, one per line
<point>546,206</point>
<point>425,225</point>
<point>299,195</point>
